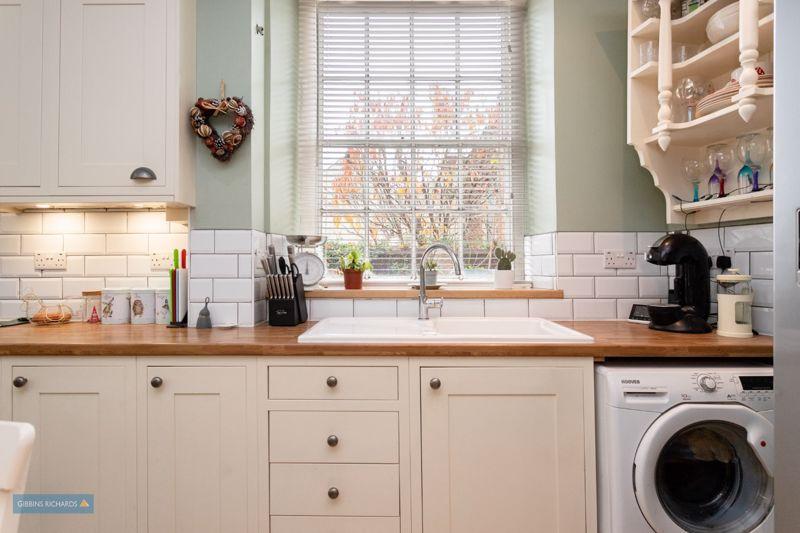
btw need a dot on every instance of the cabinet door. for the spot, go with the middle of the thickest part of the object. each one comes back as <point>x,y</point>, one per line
<point>20,92</point>
<point>85,443</point>
<point>503,450</point>
<point>112,92</point>
<point>197,450</point>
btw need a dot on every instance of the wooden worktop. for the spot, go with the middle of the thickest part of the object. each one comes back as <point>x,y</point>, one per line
<point>612,339</point>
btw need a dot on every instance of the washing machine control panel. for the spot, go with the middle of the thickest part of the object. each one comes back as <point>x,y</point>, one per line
<point>655,389</point>
<point>754,390</point>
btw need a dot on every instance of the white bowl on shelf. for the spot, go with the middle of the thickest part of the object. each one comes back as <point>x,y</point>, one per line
<point>725,22</point>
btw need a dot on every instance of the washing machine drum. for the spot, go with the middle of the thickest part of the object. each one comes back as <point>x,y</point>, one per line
<point>706,467</point>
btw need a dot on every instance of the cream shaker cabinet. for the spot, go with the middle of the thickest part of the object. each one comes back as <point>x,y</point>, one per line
<point>198,450</point>
<point>21,27</point>
<point>96,91</point>
<point>84,415</point>
<point>505,450</point>
<point>112,81</point>
<point>300,444</point>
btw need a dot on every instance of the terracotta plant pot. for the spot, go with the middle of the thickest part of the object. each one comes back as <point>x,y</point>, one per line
<point>353,279</point>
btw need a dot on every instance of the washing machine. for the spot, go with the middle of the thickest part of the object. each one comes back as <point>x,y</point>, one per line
<point>685,448</point>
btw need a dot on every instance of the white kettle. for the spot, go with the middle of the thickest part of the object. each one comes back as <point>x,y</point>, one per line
<point>735,304</point>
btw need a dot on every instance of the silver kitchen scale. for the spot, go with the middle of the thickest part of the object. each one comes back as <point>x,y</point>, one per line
<point>311,266</point>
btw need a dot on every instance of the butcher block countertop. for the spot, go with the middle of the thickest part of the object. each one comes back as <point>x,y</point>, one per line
<point>612,339</point>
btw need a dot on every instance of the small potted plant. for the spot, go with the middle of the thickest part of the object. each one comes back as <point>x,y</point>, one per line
<point>504,276</point>
<point>431,273</point>
<point>353,265</point>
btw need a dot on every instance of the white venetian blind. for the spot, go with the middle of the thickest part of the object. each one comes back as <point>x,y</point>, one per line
<point>412,129</point>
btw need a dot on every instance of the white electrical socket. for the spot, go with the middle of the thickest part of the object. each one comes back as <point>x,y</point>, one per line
<point>619,260</point>
<point>50,261</point>
<point>161,261</point>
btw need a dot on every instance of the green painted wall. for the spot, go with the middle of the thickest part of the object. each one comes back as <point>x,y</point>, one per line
<point>540,123</point>
<point>282,101</point>
<point>600,184</point>
<point>229,49</point>
<point>582,174</point>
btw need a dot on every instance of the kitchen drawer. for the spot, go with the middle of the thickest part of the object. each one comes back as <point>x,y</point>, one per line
<point>363,490</point>
<point>334,524</point>
<point>333,437</point>
<point>333,382</point>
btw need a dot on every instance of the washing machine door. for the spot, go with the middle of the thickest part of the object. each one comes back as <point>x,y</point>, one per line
<point>706,467</point>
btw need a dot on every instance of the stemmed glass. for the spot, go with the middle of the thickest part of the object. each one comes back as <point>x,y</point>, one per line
<point>765,178</point>
<point>752,151</point>
<point>694,170</point>
<point>689,92</point>
<point>720,159</point>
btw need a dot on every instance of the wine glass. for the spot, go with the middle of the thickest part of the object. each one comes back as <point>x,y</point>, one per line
<point>720,159</point>
<point>765,177</point>
<point>689,92</point>
<point>694,170</point>
<point>752,150</point>
<point>649,9</point>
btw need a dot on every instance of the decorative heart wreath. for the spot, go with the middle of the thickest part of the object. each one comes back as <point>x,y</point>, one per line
<point>222,146</point>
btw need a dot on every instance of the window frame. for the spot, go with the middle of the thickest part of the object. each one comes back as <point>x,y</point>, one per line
<point>513,211</point>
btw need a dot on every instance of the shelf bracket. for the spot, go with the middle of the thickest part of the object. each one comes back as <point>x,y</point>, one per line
<point>748,56</point>
<point>665,74</point>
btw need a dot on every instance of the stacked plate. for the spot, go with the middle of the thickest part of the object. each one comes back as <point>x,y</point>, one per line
<point>723,98</point>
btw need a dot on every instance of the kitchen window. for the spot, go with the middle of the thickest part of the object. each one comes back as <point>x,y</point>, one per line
<point>411,130</point>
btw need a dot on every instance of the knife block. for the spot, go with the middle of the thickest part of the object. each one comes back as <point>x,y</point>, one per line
<point>289,311</point>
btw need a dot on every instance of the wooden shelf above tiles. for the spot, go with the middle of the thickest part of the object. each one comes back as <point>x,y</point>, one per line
<point>750,205</point>
<point>720,125</point>
<point>661,144</point>
<point>463,292</point>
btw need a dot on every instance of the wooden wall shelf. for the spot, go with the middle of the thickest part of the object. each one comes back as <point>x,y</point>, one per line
<point>755,204</point>
<point>662,142</point>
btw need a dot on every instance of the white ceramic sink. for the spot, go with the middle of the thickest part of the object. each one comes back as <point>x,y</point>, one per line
<point>442,330</point>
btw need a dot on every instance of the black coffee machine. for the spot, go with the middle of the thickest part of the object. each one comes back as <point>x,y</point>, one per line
<point>690,300</point>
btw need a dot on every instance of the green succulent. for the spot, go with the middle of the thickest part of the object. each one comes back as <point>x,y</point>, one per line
<point>430,264</point>
<point>505,258</point>
<point>354,260</point>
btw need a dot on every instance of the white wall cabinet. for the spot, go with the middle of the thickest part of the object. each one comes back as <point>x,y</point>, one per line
<point>21,27</point>
<point>217,444</point>
<point>84,415</point>
<point>96,90</point>
<point>112,83</point>
<point>504,450</point>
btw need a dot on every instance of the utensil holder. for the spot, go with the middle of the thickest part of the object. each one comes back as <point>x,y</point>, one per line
<point>289,311</point>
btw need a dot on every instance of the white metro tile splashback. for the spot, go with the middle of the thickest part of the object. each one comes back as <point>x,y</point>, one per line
<point>580,272</point>
<point>103,249</point>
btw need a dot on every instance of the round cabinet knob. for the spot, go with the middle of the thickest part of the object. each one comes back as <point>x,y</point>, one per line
<point>332,381</point>
<point>20,381</point>
<point>707,383</point>
<point>333,440</point>
<point>436,383</point>
<point>333,493</point>
<point>156,382</point>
